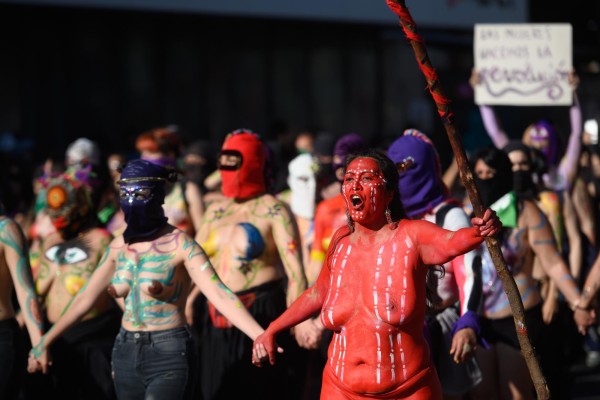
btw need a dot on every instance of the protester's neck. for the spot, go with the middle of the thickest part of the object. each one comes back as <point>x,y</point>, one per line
<point>245,199</point>
<point>370,228</point>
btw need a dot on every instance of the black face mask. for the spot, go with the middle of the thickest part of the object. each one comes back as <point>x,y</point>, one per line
<point>523,184</point>
<point>490,189</point>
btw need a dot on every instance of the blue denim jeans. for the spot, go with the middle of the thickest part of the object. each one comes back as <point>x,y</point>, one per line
<point>152,365</point>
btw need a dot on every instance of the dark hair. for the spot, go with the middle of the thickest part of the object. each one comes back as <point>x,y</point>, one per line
<point>539,164</point>
<point>517,145</point>
<point>498,160</point>
<point>390,173</point>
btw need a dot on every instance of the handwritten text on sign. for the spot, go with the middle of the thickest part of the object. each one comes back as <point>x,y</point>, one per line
<point>523,64</point>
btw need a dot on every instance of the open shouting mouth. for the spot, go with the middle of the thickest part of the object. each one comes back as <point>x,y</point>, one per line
<point>357,202</point>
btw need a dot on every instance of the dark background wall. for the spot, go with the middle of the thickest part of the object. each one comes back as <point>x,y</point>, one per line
<point>109,75</point>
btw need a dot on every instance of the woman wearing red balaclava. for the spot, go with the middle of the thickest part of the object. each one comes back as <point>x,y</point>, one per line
<point>251,240</point>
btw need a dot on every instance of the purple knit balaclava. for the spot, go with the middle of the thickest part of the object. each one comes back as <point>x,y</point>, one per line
<point>346,145</point>
<point>421,187</point>
<point>544,137</point>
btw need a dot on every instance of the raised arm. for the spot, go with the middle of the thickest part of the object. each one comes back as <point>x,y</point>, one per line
<point>80,305</point>
<point>16,253</point>
<point>568,164</point>
<point>438,246</point>
<point>488,115</point>
<point>208,282</point>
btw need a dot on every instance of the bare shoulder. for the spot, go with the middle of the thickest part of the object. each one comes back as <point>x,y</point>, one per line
<point>117,243</point>
<point>414,224</point>
<point>530,208</point>
<point>532,213</point>
<point>273,206</point>
<point>8,227</point>
<point>99,234</point>
<point>417,230</point>
<point>217,208</point>
<point>192,189</point>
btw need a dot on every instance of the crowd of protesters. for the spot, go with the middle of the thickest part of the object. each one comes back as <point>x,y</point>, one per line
<point>166,272</point>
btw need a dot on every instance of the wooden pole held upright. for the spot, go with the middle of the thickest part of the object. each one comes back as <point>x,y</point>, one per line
<point>466,175</point>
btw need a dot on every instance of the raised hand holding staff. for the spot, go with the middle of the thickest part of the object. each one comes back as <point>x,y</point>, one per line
<point>443,107</point>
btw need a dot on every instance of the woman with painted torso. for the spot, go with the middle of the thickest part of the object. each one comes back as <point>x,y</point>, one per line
<point>67,261</point>
<point>149,270</point>
<point>526,235</point>
<point>371,291</point>
<point>251,240</point>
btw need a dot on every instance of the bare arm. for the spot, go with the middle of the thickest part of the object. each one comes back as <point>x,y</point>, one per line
<point>591,285</point>
<point>195,204</point>
<point>208,282</point>
<point>541,240</point>
<point>81,304</point>
<point>15,250</point>
<point>490,120</point>
<point>288,247</point>
<point>438,246</point>
<point>287,241</point>
<point>303,308</point>
<point>317,255</point>
<point>568,165</point>
<point>451,174</point>
<point>573,235</point>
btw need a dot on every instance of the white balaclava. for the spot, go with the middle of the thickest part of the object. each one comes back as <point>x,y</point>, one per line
<point>303,185</point>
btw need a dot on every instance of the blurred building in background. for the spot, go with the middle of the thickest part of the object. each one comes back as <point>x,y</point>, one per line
<point>110,69</point>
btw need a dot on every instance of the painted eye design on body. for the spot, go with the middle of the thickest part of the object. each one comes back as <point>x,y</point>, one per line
<point>66,255</point>
<point>74,255</point>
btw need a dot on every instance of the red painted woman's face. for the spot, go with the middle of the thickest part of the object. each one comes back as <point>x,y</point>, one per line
<point>364,191</point>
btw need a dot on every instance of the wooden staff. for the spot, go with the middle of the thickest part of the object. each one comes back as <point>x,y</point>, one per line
<point>443,106</point>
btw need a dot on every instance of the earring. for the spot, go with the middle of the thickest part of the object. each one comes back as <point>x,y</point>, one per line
<point>349,221</point>
<point>388,215</point>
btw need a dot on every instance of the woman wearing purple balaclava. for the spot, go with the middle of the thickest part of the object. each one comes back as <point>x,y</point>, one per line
<point>453,321</point>
<point>149,270</point>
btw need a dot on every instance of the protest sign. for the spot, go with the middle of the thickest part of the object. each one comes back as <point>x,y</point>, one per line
<point>523,64</point>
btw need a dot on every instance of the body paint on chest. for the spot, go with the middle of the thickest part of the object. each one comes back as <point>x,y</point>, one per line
<point>136,272</point>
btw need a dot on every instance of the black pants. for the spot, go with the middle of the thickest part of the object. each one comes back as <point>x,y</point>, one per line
<point>226,370</point>
<point>82,359</point>
<point>13,359</point>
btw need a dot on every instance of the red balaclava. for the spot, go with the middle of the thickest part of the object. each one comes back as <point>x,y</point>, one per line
<point>246,179</point>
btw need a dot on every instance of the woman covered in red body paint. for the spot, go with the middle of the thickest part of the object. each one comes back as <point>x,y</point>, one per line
<point>371,292</point>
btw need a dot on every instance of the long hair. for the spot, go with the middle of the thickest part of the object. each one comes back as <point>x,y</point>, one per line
<point>390,174</point>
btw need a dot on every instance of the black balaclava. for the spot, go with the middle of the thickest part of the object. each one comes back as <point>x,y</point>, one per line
<point>523,183</point>
<point>501,183</point>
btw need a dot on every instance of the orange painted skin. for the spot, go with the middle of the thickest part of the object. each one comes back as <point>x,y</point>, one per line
<point>371,293</point>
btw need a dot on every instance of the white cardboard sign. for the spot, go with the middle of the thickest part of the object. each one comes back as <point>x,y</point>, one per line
<point>523,64</point>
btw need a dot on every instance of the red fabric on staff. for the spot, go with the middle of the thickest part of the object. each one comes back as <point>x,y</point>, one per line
<point>428,70</point>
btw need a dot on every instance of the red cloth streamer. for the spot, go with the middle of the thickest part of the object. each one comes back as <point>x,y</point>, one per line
<point>409,28</point>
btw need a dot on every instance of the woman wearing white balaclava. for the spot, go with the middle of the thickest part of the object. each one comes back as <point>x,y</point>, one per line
<point>303,187</point>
